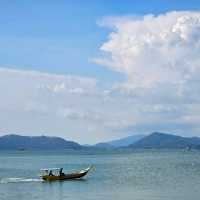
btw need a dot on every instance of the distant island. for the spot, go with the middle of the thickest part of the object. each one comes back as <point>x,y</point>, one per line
<point>122,142</point>
<point>17,142</point>
<point>166,141</point>
<point>155,140</point>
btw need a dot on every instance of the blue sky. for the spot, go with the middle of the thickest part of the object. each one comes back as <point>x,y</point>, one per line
<point>97,70</point>
<point>62,36</point>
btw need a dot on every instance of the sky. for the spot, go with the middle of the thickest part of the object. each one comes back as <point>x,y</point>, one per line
<point>96,70</point>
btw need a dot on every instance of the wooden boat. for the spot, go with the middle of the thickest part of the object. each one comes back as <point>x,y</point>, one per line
<point>53,174</point>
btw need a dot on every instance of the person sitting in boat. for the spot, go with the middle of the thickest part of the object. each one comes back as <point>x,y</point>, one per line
<point>61,172</point>
<point>50,173</point>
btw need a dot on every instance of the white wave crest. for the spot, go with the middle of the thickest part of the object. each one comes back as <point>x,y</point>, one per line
<point>18,180</point>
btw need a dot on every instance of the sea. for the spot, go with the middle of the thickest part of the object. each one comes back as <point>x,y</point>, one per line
<point>117,175</point>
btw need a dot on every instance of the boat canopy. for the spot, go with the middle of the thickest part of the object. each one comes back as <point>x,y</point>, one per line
<point>54,171</point>
<point>48,169</point>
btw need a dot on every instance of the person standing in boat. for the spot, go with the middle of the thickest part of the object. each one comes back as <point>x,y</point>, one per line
<point>50,173</point>
<point>61,172</point>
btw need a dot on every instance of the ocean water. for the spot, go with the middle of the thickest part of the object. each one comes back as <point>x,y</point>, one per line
<point>141,175</point>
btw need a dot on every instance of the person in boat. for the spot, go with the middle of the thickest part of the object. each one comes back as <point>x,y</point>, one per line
<point>50,173</point>
<point>61,172</point>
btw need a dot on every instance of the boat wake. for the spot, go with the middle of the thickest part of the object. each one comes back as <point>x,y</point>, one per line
<point>19,180</point>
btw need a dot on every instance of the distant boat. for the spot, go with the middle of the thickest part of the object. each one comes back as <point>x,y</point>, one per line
<point>188,148</point>
<point>21,149</point>
<point>56,174</point>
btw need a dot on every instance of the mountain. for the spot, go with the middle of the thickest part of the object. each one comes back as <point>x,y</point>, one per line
<point>153,141</point>
<point>123,142</point>
<point>103,145</point>
<point>126,141</point>
<point>37,142</point>
<point>166,141</point>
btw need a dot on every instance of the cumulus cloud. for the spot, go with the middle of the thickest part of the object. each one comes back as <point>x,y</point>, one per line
<point>154,51</point>
<point>159,55</point>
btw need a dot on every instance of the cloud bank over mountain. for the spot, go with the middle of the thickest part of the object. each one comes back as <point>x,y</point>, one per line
<point>73,107</point>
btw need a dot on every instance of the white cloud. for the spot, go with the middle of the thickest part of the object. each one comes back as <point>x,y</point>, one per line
<point>154,51</point>
<point>159,55</point>
<point>33,102</point>
<point>70,106</point>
